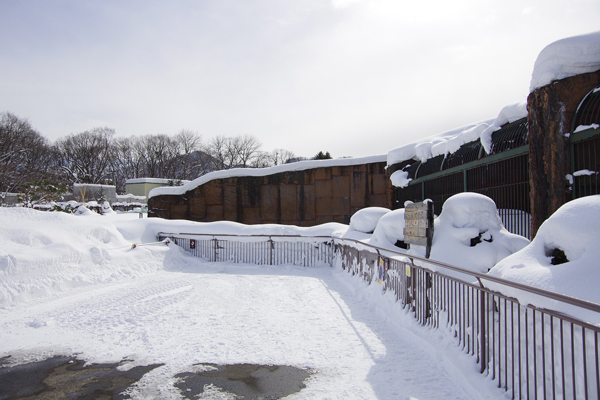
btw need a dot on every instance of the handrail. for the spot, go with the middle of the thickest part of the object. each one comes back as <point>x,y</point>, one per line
<point>586,304</point>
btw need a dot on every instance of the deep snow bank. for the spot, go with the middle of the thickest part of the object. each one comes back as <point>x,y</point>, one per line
<point>469,233</point>
<point>46,252</point>
<point>573,231</point>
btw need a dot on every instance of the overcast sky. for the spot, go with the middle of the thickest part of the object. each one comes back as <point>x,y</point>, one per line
<point>352,77</point>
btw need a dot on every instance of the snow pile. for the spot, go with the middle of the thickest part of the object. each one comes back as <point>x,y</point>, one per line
<point>565,58</point>
<point>366,220</point>
<point>470,234</point>
<point>42,253</point>
<point>563,256</point>
<point>389,230</point>
<point>106,208</point>
<point>450,141</point>
<point>400,178</point>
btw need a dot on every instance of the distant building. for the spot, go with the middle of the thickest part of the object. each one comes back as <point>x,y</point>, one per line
<point>84,192</point>
<point>142,186</point>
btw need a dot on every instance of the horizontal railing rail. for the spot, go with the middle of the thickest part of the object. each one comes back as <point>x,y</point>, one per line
<point>529,351</point>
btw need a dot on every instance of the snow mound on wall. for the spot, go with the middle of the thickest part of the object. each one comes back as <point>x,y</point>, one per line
<point>573,229</point>
<point>469,233</point>
<point>366,219</point>
<point>389,230</point>
<point>241,172</point>
<point>450,141</point>
<point>400,179</point>
<point>565,58</point>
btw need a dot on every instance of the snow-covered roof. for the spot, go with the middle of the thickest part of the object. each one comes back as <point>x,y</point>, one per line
<point>92,185</point>
<point>130,196</point>
<point>160,181</point>
<point>565,58</point>
<point>241,172</point>
<point>450,141</point>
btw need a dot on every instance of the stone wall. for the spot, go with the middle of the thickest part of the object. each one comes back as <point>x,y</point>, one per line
<point>304,198</point>
<point>551,111</point>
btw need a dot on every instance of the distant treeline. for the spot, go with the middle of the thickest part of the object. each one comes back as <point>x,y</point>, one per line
<point>28,161</point>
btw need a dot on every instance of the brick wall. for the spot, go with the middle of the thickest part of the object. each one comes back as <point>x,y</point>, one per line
<point>304,198</point>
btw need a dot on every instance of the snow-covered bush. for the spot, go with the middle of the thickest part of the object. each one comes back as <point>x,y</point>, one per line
<point>390,230</point>
<point>469,233</point>
<point>564,254</point>
<point>366,220</point>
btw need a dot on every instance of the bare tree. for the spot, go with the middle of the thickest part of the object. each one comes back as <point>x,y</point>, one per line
<point>281,156</point>
<point>87,157</point>
<point>189,142</point>
<point>247,148</point>
<point>234,152</point>
<point>24,154</point>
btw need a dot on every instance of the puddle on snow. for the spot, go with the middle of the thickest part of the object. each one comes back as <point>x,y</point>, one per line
<point>67,378</point>
<point>64,377</point>
<point>243,381</point>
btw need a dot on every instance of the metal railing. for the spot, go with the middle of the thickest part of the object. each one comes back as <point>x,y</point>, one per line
<point>528,351</point>
<point>257,249</point>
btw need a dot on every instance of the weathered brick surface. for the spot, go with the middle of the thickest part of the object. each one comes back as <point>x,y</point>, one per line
<point>214,213</point>
<point>303,198</point>
<point>289,202</point>
<point>269,208</point>
<point>340,186</point>
<point>550,116</point>
<point>323,188</point>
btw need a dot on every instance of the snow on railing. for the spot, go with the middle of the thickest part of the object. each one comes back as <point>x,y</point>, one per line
<point>528,351</point>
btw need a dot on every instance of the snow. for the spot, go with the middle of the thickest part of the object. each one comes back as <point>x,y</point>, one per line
<point>470,233</point>
<point>450,141</point>
<point>240,172</point>
<point>584,172</point>
<point>400,179</point>
<point>366,220</point>
<point>573,228</point>
<point>565,58</point>
<point>75,285</point>
<point>389,230</point>
<point>581,128</point>
<point>161,181</point>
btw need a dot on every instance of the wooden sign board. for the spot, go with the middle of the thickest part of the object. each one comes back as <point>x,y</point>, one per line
<point>418,219</point>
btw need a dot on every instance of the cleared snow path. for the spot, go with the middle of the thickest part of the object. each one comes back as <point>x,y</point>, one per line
<point>226,314</point>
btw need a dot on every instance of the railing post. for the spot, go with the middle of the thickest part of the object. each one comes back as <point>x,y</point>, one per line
<point>482,332</point>
<point>271,248</point>
<point>215,249</point>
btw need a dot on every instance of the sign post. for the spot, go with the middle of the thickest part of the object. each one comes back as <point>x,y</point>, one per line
<point>418,219</point>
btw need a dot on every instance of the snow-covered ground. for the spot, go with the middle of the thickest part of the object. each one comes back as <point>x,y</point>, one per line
<point>74,285</point>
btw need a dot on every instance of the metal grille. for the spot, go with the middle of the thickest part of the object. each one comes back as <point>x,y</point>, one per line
<point>588,112</point>
<point>430,166</point>
<point>585,158</point>
<point>440,189</point>
<point>507,183</point>
<point>511,136</point>
<point>466,153</point>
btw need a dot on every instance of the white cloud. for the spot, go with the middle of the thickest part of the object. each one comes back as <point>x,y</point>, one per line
<point>350,77</point>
